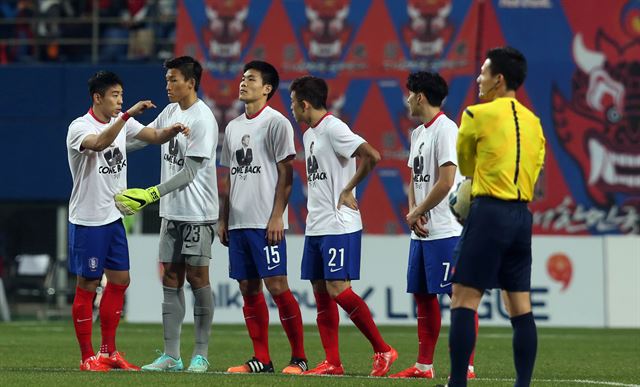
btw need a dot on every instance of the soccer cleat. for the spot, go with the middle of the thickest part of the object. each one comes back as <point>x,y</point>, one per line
<point>471,374</point>
<point>382,362</point>
<point>413,372</point>
<point>164,363</point>
<point>93,364</point>
<point>199,363</point>
<point>252,366</point>
<point>296,366</point>
<point>325,368</point>
<point>117,361</point>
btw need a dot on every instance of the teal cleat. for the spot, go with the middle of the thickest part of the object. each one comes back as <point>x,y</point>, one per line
<point>164,363</point>
<point>199,363</point>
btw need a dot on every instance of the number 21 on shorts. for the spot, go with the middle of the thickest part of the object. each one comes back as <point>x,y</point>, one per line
<point>339,254</point>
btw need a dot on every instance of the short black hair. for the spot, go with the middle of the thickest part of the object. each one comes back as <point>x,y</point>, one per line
<point>431,84</point>
<point>268,73</point>
<point>510,63</point>
<point>311,89</point>
<point>189,67</point>
<point>101,81</point>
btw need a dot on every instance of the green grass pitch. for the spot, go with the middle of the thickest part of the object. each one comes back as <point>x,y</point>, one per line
<point>46,354</point>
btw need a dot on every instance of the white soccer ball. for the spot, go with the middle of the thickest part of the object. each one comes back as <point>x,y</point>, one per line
<point>460,200</point>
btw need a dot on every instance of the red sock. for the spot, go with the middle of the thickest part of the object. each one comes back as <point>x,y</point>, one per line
<point>110,311</point>
<point>291,319</point>
<point>473,353</point>
<point>82,313</point>
<point>256,317</point>
<point>328,320</point>
<point>429,322</point>
<point>360,314</point>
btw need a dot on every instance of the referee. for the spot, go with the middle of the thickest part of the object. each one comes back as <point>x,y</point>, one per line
<point>501,145</point>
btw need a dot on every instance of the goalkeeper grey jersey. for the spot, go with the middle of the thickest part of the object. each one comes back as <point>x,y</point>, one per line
<point>198,201</point>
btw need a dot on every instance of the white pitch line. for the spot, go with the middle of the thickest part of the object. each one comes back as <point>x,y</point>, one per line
<point>561,381</point>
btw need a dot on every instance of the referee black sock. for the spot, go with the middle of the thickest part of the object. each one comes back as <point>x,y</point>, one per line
<point>462,338</point>
<point>525,346</point>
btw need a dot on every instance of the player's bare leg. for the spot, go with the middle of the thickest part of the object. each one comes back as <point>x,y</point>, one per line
<point>291,319</point>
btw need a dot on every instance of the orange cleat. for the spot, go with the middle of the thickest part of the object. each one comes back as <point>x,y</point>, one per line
<point>382,362</point>
<point>252,365</point>
<point>117,361</point>
<point>413,372</point>
<point>296,366</point>
<point>93,364</point>
<point>325,368</point>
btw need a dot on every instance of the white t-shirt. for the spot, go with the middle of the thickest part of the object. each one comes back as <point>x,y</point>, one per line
<point>97,176</point>
<point>198,200</point>
<point>432,145</point>
<point>329,168</point>
<point>251,149</point>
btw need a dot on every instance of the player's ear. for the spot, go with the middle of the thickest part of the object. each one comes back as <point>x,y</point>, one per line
<point>267,89</point>
<point>96,98</point>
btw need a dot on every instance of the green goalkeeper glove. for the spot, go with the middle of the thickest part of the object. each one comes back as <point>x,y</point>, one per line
<point>133,200</point>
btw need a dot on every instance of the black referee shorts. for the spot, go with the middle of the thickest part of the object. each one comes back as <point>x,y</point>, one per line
<point>495,246</point>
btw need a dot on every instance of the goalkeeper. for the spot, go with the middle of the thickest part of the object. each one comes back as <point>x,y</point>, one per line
<point>188,198</point>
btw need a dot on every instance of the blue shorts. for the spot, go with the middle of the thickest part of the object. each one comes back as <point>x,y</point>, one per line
<point>495,246</point>
<point>430,265</point>
<point>95,248</point>
<point>251,257</point>
<point>332,257</point>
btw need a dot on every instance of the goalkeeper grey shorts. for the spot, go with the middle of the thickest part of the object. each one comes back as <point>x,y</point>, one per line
<point>186,242</point>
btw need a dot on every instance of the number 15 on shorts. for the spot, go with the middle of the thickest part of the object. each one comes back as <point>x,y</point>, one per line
<point>273,256</point>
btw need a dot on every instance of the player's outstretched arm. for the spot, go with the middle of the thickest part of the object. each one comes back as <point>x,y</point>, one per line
<point>160,136</point>
<point>369,157</point>
<point>100,142</point>
<point>275,226</point>
<point>133,200</point>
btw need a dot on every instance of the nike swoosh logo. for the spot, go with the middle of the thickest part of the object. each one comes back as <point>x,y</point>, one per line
<point>188,246</point>
<point>272,267</point>
<point>287,318</point>
<point>445,285</point>
<point>333,271</point>
<point>139,201</point>
<point>84,319</point>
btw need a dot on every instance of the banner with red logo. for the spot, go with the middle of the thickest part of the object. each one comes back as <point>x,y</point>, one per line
<point>583,83</point>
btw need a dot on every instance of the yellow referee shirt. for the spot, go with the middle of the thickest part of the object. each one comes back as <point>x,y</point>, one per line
<point>501,145</point>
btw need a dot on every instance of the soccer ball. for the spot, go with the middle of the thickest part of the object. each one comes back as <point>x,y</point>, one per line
<point>460,200</point>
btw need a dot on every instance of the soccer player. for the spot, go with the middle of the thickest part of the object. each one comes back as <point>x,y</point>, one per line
<point>254,216</point>
<point>331,257</point>
<point>501,145</point>
<point>96,149</point>
<point>434,229</point>
<point>188,198</point>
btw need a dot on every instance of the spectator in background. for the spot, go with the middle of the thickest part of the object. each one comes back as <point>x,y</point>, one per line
<point>165,27</point>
